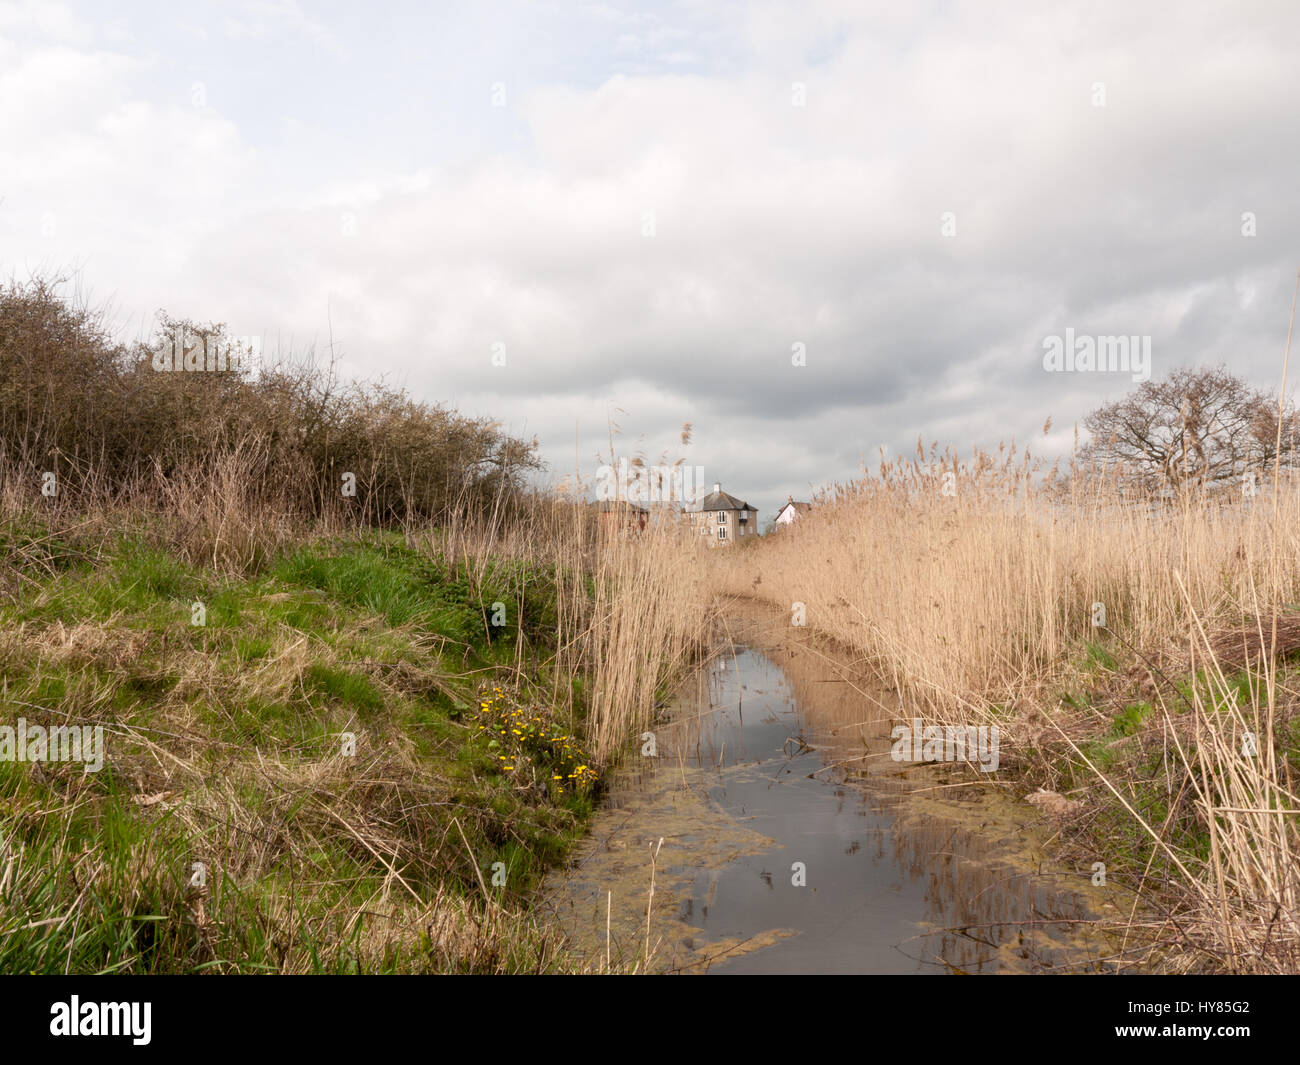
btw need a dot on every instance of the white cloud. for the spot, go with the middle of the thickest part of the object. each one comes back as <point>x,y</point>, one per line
<point>772,223</point>
<point>42,19</point>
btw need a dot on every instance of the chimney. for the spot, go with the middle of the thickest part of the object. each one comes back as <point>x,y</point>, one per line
<point>789,499</point>
<point>717,486</point>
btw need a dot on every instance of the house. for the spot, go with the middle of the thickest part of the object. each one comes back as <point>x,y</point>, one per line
<point>723,518</point>
<point>791,511</point>
<point>620,516</point>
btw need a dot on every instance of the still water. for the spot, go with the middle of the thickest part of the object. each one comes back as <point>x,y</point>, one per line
<point>793,843</point>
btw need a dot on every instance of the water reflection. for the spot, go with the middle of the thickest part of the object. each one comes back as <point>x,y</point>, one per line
<point>793,843</point>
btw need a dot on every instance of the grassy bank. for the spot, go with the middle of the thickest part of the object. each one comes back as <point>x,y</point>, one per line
<point>357,682</point>
<point>1137,656</point>
<point>320,745</point>
<point>361,758</point>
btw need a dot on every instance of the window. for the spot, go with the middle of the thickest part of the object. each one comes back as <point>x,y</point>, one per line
<point>722,517</point>
<point>722,534</point>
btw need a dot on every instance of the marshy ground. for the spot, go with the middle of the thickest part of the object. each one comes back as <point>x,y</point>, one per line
<point>781,837</point>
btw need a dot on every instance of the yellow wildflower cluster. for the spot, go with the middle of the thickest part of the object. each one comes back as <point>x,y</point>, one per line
<point>520,735</point>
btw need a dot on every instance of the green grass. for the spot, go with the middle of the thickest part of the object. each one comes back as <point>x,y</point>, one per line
<point>240,723</point>
<point>1100,657</point>
<point>392,582</point>
<point>1133,758</point>
<point>1129,720</point>
<point>348,688</point>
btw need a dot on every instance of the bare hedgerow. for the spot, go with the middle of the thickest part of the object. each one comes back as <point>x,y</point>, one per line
<point>102,418</point>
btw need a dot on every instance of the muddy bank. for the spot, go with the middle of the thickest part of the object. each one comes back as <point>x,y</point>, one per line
<point>793,842</point>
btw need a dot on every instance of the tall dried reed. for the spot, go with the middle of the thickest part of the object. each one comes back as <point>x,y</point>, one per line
<point>634,607</point>
<point>979,595</point>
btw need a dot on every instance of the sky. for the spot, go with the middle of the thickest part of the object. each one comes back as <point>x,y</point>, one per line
<point>815,231</point>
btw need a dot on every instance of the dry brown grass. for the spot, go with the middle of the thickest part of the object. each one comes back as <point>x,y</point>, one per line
<point>264,810</point>
<point>978,606</point>
<point>977,597</point>
<point>634,610</point>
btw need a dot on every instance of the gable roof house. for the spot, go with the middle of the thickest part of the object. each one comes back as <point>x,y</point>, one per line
<point>791,511</point>
<point>723,518</point>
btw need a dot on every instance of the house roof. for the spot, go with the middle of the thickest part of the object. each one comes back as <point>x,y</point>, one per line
<point>607,505</point>
<point>720,500</point>
<point>800,508</point>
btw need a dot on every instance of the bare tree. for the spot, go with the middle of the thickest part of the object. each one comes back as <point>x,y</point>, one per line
<point>1195,428</point>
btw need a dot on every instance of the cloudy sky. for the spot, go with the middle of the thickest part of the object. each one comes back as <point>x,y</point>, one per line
<point>812,230</point>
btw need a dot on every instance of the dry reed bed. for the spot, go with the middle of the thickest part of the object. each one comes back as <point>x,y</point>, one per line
<point>972,600</point>
<point>979,606</point>
<point>635,611</point>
